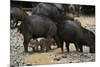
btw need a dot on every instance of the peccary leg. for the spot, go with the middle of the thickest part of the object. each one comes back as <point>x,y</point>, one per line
<point>42,47</point>
<point>26,41</point>
<point>78,46</point>
<point>49,47</point>
<point>37,49</point>
<point>81,48</point>
<point>25,46</point>
<point>61,46</point>
<point>67,46</point>
<point>33,49</point>
<point>92,49</point>
<point>57,40</point>
<point>58,44</point>
<point>16,23</point>
<point>13,23</point>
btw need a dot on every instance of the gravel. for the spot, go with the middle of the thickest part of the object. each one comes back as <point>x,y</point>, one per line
<point>16,48</point>
<point>75,57</point>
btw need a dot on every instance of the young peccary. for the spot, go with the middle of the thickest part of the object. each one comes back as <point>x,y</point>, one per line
<point>34,44</point>
<point>88,40</point>
<point>43,43</point>
<point>46,44</point>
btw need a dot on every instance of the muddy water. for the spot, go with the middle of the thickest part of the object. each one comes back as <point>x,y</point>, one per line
<point>54,56</point>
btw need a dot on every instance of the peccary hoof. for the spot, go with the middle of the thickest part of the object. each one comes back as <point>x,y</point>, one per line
<point>28,64</point>
<point>57,59</point>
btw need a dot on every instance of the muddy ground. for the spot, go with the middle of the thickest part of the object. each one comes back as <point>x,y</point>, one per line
<point>54,56</point>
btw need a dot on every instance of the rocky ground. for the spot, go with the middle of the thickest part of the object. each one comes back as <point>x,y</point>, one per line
<point>54,56</point>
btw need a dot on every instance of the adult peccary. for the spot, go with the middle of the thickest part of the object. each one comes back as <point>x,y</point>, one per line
<point>17,14</point>
<point>50,10</point>
<point>36,26</point>
<point>72,32</point>
<point>87,40</point>
<point>69,31</point>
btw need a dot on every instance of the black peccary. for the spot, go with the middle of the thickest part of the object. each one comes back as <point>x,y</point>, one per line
<point>69,31</point>
<point>50,10</point>
<point>87,40</point>
<point>17,14</point>
<point>36,26</point>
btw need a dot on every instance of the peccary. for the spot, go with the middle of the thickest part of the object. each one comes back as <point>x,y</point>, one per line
<point>45,46</point>
<point>50,10</point>
<point>17,14</point>
<point>36,26</point>
<point>69,31</point>
<point>34,44</point>
<point>43,43</point>
<point>87,40</point>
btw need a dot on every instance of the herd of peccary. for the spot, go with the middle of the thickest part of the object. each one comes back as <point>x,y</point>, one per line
<point>49,22</point>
